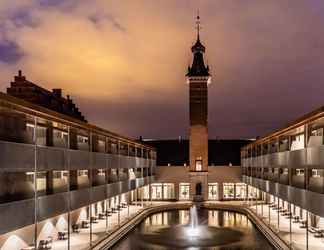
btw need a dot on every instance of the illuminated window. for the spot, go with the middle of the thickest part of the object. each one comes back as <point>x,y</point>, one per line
<point>168,191</point>
<point>240,190</point>
<point>315,173</point>
<point>101,172</point>
<point>83,172</point>
<point>131,174</point>
<point>157,191</point>
<point>184,191</point>
<point>228,190</point>
<point>61,175</point>
<point>199,164</point>
<point>212,191</point>
<point>299,171</point>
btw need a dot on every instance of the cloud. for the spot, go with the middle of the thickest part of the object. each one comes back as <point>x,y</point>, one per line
<point>126,60</point>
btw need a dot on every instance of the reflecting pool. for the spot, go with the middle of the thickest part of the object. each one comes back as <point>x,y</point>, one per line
<point>214,229</point>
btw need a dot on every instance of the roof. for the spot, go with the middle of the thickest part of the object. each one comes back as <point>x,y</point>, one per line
<point>307,118</point>
<point>176,152</point>
<point>39,111</point>
<point>198,67</point>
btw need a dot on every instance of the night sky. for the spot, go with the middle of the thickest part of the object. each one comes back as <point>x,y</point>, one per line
<point>124,62</point>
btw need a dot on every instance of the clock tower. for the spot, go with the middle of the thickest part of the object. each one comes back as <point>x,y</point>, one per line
<point>198,78</point>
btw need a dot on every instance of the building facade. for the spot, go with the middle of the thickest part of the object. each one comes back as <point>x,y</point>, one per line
<point>286,171</point>
<point>31,92</point>
<point>65,183</point>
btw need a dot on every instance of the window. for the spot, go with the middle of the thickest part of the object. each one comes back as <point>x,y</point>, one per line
<point>83,172</point>
<point>184,191</point>
<point>101,146</point>
<point>252,191</point>
<point>60,138</point>
<point>299,171</point>
<point>297,142</point>
<point>41,182</point>
<point>240,190</point>
<point>212,191</point>
<point>83,142</point>
<point>61,175</point>
<point>131,174</point>
<point>199,164</point>
<point>315,173</point>
<point>228,190</point>
<point>168,191</point>
<point>101,172</point>
<point>156,191</point>
<point>146,192</point>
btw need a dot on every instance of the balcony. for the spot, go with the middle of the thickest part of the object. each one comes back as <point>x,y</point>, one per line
<point>284,179</point>
<point>79,159</point>
<point>11,219</point>
<point>17,156</point>
<point>305,199</point>
<point>315,156</point>
<point>98,193</point>
<point>298,181</point>
<point>49,158</point>
<point>316,184</point>
<point>99,160</point>
<point>273,177</point>
<point>52,205</point>
<point>297,158</point>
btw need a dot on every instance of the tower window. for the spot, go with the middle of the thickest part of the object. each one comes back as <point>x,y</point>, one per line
<point>198,165</point>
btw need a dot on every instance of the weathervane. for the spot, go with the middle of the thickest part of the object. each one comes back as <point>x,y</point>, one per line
<point>198,24</point>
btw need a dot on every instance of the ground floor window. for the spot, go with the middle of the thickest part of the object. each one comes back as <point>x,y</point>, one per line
<point>184,191</point>
<point>168,191</point>
<point>212,191</point>
<point>228,190</point>
<point>146,192</point>
<point>157,191</point>
<point>252,192</point>
<point>240,190</point>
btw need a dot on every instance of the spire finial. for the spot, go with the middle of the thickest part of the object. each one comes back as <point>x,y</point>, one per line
<point>198,25</point>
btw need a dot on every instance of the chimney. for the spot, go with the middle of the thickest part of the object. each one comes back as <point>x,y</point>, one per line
<point>20,77</point>
<point>57,93</point>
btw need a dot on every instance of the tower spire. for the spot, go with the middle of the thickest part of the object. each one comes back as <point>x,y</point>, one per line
<point>198,25</point>
<point>198,67</point>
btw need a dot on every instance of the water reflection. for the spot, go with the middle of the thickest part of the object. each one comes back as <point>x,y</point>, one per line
<point>219,230</point>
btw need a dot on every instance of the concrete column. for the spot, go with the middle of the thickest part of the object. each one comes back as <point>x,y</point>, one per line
<point>49,134</point>
<point>220,191</point>
<point>176,190</point>
<point>73,138</point>
<point>49,182</point>
<point>73,179</point>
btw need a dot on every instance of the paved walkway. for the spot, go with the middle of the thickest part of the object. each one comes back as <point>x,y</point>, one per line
<point>298,236</point>
<point>81,240</point>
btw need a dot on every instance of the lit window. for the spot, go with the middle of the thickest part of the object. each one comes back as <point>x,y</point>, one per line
<point>212,191</point>
<point>199,165</point>
<point>315,173</point>
<point>184,191</point>
<point>299,171</point>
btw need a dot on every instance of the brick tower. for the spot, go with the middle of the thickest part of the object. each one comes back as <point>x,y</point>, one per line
<point>198,78</point>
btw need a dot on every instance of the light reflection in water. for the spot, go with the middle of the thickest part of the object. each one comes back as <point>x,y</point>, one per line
<point>172,230</point>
